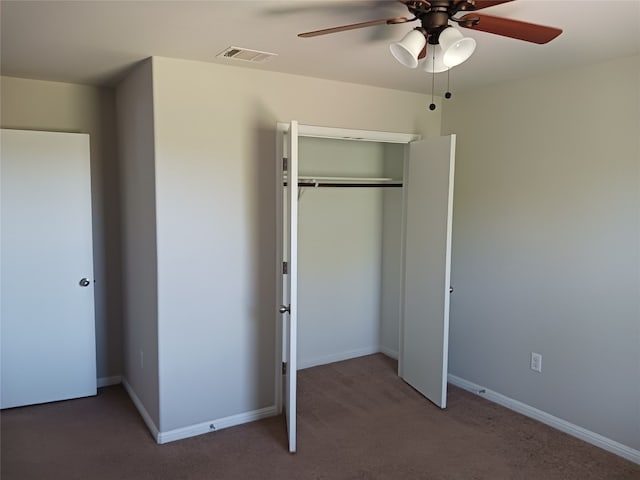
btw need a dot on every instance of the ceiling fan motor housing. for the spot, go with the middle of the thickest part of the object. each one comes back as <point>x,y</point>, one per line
<point>435,21</point>
<point>434,15</point>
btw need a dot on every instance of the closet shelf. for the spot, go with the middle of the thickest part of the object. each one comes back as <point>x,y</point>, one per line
<point>325,181</point>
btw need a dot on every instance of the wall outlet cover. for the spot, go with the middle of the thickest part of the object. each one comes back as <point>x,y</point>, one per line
<point>536,362</point>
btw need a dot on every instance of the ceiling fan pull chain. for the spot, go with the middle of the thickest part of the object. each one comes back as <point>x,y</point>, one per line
<point>432,106</point>
<point>448,93</point>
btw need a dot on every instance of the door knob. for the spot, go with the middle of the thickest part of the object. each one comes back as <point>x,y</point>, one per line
<point>84,282</point>
<point>450,289</point>
<point>285,309</point>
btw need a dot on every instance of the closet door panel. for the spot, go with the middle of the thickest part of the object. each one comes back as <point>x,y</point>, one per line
<point>427,270</point>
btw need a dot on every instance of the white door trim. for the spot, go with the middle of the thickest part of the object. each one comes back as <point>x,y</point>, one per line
<point>317,132</point>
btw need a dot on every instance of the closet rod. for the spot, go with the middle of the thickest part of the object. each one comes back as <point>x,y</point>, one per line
<point>349,185</point>
<point>316,178</point>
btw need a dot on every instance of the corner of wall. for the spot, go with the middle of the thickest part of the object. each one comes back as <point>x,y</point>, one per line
<point>134,107</point>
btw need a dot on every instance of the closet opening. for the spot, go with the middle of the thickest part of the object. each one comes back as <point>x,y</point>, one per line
<point>349,249</point>
<point>363,266</point>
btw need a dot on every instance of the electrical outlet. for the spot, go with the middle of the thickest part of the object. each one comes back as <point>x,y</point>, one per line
<point>536,362</point>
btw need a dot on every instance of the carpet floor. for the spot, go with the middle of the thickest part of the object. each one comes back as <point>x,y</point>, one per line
<point>357,420</point>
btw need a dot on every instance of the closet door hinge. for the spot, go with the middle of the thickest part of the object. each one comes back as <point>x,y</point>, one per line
<point>285,268</point>
<point>285,164</point>
<point>284,368</point>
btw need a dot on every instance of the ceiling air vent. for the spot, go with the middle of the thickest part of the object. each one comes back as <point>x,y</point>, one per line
<point>246,54</point>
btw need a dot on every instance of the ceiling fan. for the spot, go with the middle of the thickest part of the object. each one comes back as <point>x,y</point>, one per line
<point>449,46</point>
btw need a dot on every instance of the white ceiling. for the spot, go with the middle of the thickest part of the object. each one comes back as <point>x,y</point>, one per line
<point>95,42</point>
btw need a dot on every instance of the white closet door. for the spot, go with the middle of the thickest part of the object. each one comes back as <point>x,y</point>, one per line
<point>290,306</point>
<point>47,314</point>
<point>427,266</point>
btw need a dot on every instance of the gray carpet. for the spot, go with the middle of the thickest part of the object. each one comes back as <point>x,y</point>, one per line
<point>357,420</point>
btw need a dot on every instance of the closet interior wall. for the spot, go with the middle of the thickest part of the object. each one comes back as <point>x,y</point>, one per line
<point>349,252</point>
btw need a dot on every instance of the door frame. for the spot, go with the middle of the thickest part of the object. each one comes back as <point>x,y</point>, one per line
<point>330,133</point>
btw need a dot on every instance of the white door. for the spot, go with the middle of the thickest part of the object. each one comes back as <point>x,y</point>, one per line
<point>290,303</point>
<point>47,313</point>
<point>429,174</point>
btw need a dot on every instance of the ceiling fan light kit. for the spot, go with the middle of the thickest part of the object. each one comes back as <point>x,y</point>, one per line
<point>406,51</point>
<point>443,46</point>
<point>433,61</point>
<point>450,47</point>
<point>455,46</point>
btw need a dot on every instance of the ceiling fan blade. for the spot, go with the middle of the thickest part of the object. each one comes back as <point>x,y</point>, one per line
<point>529,32</point>
<point>480,4</point>
<point>354,26</point>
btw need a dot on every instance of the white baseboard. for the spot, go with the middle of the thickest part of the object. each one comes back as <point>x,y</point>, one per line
<point>337,357</point>
<point>108,381</point>
<point>388,352</point>
<point>197,429</point>
<point>214,425</point>
<point>143,412</point>
<point>548,419</point>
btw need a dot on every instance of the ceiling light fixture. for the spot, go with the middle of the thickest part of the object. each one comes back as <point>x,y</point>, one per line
<point>442,50</point>
<point>406,51</point>
<point>433,60</point>
<point>455,46</point>
<point>451,49</point>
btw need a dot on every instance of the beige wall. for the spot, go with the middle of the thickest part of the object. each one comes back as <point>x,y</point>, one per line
<point>215,170</point>
<point>391,293</point>
<point>339,253</point>
<point>546,243</point>
<point>134,102</point>
<point>40,105</point>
